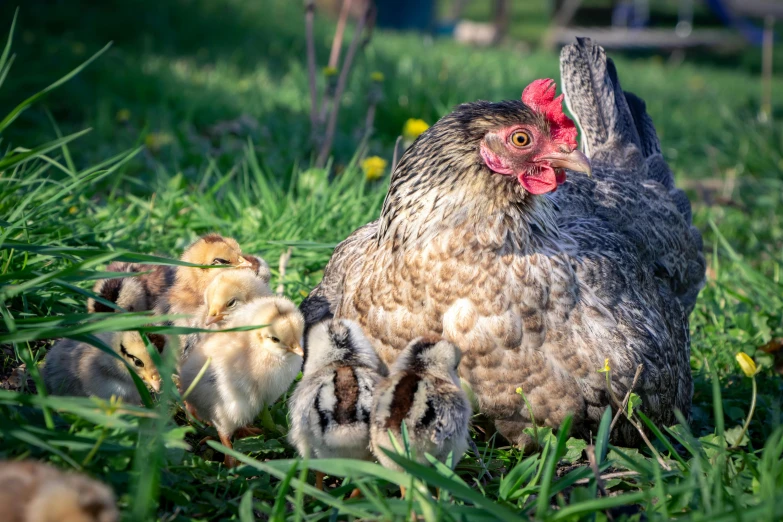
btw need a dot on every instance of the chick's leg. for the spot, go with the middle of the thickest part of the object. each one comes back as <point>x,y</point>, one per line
<point>319,480</point>
<point>247,431</point>
<point>228,461</point>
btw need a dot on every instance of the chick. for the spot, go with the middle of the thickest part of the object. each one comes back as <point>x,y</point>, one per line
<point>143,289</point>
<point>422,390</point>
<point>77,368</point>
<point>187,293</point>
<point>229,291</point>
<point>330,408</point>
<point>35,492</point>
<point>247,370</point>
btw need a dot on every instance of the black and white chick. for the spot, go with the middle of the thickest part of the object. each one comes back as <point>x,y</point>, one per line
<point>423,391</point>
<point>330,408</point>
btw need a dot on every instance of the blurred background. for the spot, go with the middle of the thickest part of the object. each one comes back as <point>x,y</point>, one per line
<point>197,80</point>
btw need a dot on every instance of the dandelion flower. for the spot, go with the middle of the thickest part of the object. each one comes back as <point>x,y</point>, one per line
<point>606,367</point>
<point>413,128</point>
<point>373,167</point>
<point>747,364</point>
<point>123,115</point>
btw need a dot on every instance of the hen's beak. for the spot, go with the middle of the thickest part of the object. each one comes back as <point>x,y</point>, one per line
<point>244,263</point>
<point>212,319</point>
<point>297,349</point>
<point>573,160</point>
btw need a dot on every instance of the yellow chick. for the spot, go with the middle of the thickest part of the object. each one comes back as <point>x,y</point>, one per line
<point>80,369</point>
<point>187,293</point>
<point>36,492</point>
<point>228,292</point>
<point>247,370</point>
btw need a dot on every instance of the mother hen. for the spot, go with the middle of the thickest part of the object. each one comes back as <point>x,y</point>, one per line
<point>536,286</point>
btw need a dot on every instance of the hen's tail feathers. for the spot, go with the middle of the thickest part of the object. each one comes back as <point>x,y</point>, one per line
<point>619,136</point>
<point>616,130</point>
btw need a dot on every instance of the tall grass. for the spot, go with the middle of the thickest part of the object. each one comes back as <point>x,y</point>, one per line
<point>60,224</point>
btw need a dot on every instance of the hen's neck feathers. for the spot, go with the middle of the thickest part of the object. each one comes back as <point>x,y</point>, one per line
<point>442,184</point>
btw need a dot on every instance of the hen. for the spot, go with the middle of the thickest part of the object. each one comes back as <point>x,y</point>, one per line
<point>536,286</point>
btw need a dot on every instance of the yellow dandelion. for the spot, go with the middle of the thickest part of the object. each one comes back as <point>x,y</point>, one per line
<point>413,128</point>
<point>330,71</point>
<point>123,115</point>
<point>377,76</point>
<point>157,140</point>
<point>606,367</point>
<point>73,210</point>
<point>519,391</point>
<point>747,364</point>
<point>373,167</point>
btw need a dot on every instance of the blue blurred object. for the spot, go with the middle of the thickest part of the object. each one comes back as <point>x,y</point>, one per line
<point>410,15</point>
<point>750,32</point>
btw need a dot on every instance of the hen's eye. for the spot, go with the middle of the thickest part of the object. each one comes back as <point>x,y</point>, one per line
<point>231,304</point>
<point>219,261</point>
<point>520,139</point>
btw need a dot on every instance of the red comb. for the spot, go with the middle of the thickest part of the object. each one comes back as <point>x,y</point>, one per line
<point>540,96</point>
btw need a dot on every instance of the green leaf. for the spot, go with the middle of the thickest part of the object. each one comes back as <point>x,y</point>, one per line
<point>634,401</point>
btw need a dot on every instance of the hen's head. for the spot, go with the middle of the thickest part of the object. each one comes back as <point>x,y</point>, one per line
<point>534,142</point>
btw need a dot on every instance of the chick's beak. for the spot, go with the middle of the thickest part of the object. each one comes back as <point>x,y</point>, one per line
<point>297,349</point>
<point>154,382</point>
<point>574,160</point>
<point>213,318</point>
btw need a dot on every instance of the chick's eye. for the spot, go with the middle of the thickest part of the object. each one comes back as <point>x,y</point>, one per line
<point>520,139</point>
<point>274,339</point>
<point>231,304</point>
<point>219,261</point>
<point>138,362</point>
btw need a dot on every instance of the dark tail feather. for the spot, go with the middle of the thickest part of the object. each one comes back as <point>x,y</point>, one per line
<point>595,98</point>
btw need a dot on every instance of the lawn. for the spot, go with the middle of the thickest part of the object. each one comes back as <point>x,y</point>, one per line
<point>199,113</point>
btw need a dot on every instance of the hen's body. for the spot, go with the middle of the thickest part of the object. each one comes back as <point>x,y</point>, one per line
<point>536,290</point>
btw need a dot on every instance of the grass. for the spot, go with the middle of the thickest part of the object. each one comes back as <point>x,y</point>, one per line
<point>151,183</point>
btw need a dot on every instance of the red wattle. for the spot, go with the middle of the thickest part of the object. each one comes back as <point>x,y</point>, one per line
<point>541,181</point>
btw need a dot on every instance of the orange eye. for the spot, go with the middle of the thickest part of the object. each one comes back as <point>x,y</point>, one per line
<point>520,139</point>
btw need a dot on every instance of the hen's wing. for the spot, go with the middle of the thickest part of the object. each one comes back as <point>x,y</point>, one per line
<point>633,194</point>
<point>323,300</point>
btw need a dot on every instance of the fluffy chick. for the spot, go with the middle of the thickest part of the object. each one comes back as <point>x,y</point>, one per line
<point>143,289</point>
<point>187,293</point>
<point>330,408</point>
<point>248,370</point>
<point>80,369</point>
<point>422,390</point>
<point>228,292</point>
<point>35,492</point>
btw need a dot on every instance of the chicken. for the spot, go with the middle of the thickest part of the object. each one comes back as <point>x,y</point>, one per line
<point>539,286</point>
<point>330,408</point>
<point>141,292</point>
<point>186,296</point>
<point>228,292</point>
<point>36,492</point>
<point>247,370</point>
<point>80,369</point>
<point>423,391</point>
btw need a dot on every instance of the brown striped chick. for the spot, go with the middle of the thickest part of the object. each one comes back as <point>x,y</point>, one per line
<point>422,390</point>
<point>186,296</point>
<point>247,370</point>
<point>80,369</point>
<point>32,491</point>
<point>330,408</point>
<point>143,288</point>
